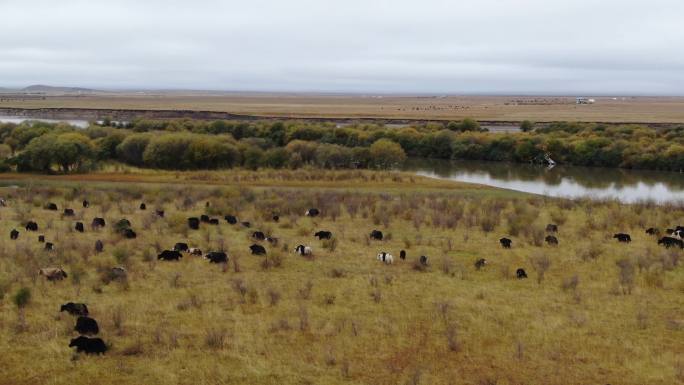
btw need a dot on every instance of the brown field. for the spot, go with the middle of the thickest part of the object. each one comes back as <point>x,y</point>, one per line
<point>483,108</point>
<point>593,311</point>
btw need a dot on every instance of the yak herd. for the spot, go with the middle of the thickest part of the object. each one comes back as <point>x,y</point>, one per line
<point>87,327</point>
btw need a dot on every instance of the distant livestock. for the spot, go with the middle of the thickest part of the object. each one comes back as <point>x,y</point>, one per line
<point>246,224</point>
<point>180,246</point>
<point>506,243</point>
<point>41,238</point>
<point>193,223</point>
<point>231,219</point>
<point>303,250</point>
<point>402,254</point>
<point>53,273</point>
<point>51,207</point>
<point>129,234</point>
<point>385,257</point>
<point>195,251</point>
<point>86,325</point>
<point>258,235</point>
<point>622,237</point>
<point>652,231</point>
<point>79,227</point>
<point>671,242</point>
<point>49,246</point>
<point>551,228</point>
<point>88,345</point>
<point>321,235</point>
<point>86,204</point>
<point>272,240</point>
<point>312,213</point>
<point>257,249</point>
<point>14,234</point>
<point>204,218</point>
<point>97,223</point>
<point>99,246</point>
<point>520,273</point>
<point>160,213</point>
<point>217,257</point>
<point>169,255</point>
<point>72,308</point>
<point>551,240</point>
<point>214,221</point>
<point>480,263</point>
<point>423,260</point>
<point>376,234</point>
<point>143,206</point>
<point>68,212</point>
<point>276,218</point>
<point>31,226</point>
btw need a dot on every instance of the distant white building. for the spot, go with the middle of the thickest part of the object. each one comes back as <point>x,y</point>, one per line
<point>583,100</point>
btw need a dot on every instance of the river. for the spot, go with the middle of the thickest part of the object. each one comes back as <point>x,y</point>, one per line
<point>628,186</point>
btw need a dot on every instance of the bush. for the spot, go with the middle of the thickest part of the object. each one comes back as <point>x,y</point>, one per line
<point>22,297</point>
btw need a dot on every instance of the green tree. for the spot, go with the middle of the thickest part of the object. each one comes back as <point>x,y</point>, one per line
<point>386,154</point>
<point>131,149</point>
<point>526,126</point>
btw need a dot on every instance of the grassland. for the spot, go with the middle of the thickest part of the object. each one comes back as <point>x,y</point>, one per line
<point>592,311</point>
<point>483,108</point>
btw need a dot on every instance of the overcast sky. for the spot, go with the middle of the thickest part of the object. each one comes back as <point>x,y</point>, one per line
<point>421,46</point>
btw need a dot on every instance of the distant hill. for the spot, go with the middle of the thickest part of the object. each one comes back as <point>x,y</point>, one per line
<point>51,89</point>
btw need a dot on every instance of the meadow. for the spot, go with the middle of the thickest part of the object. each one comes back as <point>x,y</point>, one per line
<point>593,311</point>
<point>349,107</point>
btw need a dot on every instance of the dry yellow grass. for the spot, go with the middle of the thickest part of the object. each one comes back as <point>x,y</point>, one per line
<point>485,108</point>
<point>363,322</point>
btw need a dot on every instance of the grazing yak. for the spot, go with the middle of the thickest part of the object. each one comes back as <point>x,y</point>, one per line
<point>86,204</point>
<point>143,206</point>
<point>246,224</point>
<point>195,251</point>
<point>385,257</point>
<point>217,257</point>
<point>129,233</point>
<point>622,237</point>
<point>180,246</point>
<point>257,249</point>
<point>41,238</point>
<point>88,345</point>
<point>312,213</point>
<point>551,240</point>
<point>53,273</point>
<point>276,218</point>
<point>86,325</point>
<point>652,231</point>
<point>99,246</point>
<point>214,221</point>
<point>160,213</point>
<point>323,235</point>
<point>68,212</point>
<point>258,235</point>
<point>232,220</point>
<point>79,227</point>
<point>14,234</point>
<point>122,224</point>
<point>73,308</point>
<point>506,243</point>
<point>303,250</point>
<point>51,206</point>
<point>423,260</point>
<point>402,254</point>
<point>193,223</point>
<point>170,255</point>
<point>97,223</point>
<point>49,246</point>
<point>551,228</point>
<point>204,218</point>
<point>520,273</point>
<point>376,234</point>
<point>273,241</point>
<point>671,242</point>
<point>480,263</point>
<point>31,226</point>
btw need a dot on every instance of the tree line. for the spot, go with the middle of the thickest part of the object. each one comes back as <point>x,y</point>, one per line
<point>189,144</point>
